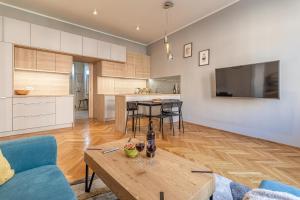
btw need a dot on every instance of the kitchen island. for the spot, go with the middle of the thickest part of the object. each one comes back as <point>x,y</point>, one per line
<point>120,105</point>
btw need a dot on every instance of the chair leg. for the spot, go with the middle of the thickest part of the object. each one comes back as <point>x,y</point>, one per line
<point>162,127</point>
<point>139,124</point>
<point>135,127</point>
<point>182,123</point>
<point>126,123</point>
<point>173,126</point>
<point>159,124</point>
<point>170,122</point>
<point>179,127</point>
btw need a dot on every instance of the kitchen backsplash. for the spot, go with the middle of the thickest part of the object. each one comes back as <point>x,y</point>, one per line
<point>164,85</point>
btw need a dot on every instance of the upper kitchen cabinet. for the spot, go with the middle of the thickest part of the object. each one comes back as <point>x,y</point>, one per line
<point>71,43</point>
<point>63,63</point>
<point>15,31</point>
<point>90,47</point>
<point>104,49</point>
<point>45,61</point>
<point>118,53</point>
<point>6,68</point>
<point>1,28</point>
<point>45,38</point>
<point>25,59</point>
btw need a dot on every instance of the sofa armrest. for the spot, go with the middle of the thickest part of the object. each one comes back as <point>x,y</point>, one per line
<point>29,153</point>
<point>279,187</point>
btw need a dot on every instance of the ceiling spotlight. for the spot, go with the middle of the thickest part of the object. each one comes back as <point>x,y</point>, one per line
<point>138,28</point>
<point>95,12</point>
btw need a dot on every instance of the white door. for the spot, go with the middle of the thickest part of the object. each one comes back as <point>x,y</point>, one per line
<point>45,38</point>
<point>104,50</point>
<point>118,53</point>
<point>1,28</point>
<point>6,62</point>
<point>90,47</point>
<point>71,43</point>
<point>16,31</point>
<point>5,114</point>
<point>64,110</point>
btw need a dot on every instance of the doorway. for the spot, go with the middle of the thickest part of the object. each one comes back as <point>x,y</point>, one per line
<point>79,87</point>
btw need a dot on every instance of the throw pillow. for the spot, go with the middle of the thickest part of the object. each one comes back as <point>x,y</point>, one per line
<point>6,172</point>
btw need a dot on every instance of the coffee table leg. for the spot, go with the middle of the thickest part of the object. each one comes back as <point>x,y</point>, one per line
<point>88,184</point>
<point>211,197</point>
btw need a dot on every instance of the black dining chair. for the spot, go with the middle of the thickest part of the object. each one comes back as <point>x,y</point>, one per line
<point>133,113</point>
<point>177,111</point>
<point>165,112</point>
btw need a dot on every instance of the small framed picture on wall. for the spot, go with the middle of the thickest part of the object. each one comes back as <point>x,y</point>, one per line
<point>204,57</point>
<point>187,50</point>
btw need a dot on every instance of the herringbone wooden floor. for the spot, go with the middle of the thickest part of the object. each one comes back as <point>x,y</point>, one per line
<point>243,159</point>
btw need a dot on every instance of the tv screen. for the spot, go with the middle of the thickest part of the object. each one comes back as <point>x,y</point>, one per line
<point>255,80</point>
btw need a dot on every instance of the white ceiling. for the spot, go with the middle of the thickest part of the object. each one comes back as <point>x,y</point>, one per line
<point>120,17</point>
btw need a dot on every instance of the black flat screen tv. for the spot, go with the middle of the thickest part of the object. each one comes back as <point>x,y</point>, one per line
<point>259,80</point>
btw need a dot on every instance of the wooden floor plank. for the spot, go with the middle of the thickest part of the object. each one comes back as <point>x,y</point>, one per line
<point>240,158</point>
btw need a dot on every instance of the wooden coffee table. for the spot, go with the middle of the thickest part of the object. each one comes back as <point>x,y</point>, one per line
<point>167,173</point>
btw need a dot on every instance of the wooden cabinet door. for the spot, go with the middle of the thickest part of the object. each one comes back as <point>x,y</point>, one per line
<point>90,47</point>
<point>118,53</point>
<point>107,68</point>
<point>130,66</point>
<point>6,69</point>
<point>104,49</point>
<point>71,43</point>
<point>63,63</point>
<point>16,31</point>
<point>45,38</point>
<point>142,66</point>
<point>25,58</point>
<point>45,61</point>
<point>64,110</point>
<point>5,114</point>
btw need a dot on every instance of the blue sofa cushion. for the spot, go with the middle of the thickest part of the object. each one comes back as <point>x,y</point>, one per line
<point>279,187</point>
<point>42,183</point>
<point>29,153</point>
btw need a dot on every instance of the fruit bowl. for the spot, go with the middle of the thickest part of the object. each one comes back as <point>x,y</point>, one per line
<point>130,150</point>
<point>22,92</point>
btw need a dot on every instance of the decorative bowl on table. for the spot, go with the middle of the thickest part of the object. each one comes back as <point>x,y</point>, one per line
<point>130,150</point>
<point>22,92</point>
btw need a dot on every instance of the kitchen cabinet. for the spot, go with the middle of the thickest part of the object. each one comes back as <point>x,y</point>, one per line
<point>33,112</point>
<point>25,59</point>
<point>16,31</point>
<point>64,110</point>
<point>45,38</point>
<point>112,69</point>
<point>90,47</point>
<point>118,53</point>
<point>105,85</point>
<point>142,66</point>
<point>45,61</point>
<point>63,63</point>
<point>104,49</point>
<point>71,43</point>
<point>1,28</point>
<point>5,114</point>
<point>130,66</point>
<point>6,69</point>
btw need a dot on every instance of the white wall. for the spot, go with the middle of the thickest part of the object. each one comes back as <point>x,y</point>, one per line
<point>250,31</point>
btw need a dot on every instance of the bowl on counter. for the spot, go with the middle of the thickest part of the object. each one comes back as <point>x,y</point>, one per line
<point>22,92</point>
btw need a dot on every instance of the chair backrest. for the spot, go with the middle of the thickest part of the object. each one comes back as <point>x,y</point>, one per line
<point>166,106</point>
<point>132,105</point>
<point>177,105</point>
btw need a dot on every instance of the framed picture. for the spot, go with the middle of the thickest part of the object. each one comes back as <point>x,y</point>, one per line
<point>204,57</point>
<point>187,50</point>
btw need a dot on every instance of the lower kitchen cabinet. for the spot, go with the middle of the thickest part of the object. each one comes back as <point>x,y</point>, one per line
<point>39,112</point>
<point>64,110</point>
<point>5,114</point>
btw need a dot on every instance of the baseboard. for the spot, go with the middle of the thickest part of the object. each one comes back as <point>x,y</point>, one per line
<point>33,130</point>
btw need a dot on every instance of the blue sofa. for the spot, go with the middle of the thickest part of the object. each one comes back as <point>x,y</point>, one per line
<point>36,174</point>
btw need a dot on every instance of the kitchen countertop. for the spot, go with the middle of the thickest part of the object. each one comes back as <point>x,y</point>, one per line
<point>24,96</point>
<point>151,94</point>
